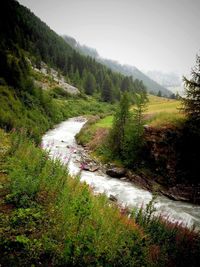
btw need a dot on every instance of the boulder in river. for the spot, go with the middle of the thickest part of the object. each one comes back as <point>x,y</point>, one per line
<point>113,198</point>
<point>116,172</point>
<point>89,167</point>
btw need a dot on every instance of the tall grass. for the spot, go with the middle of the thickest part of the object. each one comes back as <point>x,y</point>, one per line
<point>58,221</point>
<point>170,244</point>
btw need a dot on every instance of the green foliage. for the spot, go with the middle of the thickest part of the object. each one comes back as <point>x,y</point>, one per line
<point>13,67</point>
<point>120,122</point>
<point>159,94</point>
<point>30,113</point>
<point>125,139</point>
<point>169,244</point>
<point>65,223</point>
<point>189,142</point>
<point>36,111</point>
<point>107,95</point>
<point>23,31</point>
<point>58,92</point>
<point>191,102</point>
<point>89,84</point>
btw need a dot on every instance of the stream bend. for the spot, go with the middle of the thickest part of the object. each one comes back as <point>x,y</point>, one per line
<point>61,143</point>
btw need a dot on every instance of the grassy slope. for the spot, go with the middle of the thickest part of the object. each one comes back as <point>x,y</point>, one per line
<point>163,112</point>
<point>160,111</point>
<point>158,104</point>
<point>48,217</point>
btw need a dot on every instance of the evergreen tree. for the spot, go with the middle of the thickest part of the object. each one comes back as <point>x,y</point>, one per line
<point>191,102</point>
<point>190,140</point>
<point>134,141</point>
<point>159,94</point>
<point>125,85</point>
<point>138,87</point>
<point>107,94</point>
<point>89,83</point>
<point>140,101</point>
<point>117,134</point>
<point>126,135</point>
<point>172,96</point>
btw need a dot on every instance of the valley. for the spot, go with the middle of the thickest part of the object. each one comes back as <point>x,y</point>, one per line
<point>96,167</point>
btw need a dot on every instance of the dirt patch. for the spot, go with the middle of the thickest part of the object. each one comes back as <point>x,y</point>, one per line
<point>98,138</point>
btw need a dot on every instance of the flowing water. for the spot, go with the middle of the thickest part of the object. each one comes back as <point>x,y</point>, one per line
<point>61,144</point>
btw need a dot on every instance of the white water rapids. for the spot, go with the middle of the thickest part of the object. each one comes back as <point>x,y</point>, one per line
<point>61,143</point>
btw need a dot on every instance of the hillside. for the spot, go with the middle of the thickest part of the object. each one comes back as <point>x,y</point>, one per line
<point>150,84</point>
<point>25,36</point>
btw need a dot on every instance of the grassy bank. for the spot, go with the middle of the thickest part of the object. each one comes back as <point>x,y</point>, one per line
<point>51,219</point>
<point>160,112</point>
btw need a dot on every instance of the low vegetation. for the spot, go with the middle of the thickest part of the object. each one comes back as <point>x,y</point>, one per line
<point>164,112</point>
<point>36,110</point>
<point>49,218</point>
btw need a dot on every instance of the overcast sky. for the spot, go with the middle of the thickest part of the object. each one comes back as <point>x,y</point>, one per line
<point>149,34</point>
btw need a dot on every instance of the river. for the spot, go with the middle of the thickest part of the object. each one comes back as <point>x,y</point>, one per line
<point>61,143</point>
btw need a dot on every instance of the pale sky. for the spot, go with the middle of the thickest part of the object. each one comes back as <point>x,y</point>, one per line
<point>159,35</point>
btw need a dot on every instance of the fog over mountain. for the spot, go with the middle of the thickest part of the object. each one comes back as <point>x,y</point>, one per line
<point>152,85</point>
<point>165,79</point>
<point>152,35</point>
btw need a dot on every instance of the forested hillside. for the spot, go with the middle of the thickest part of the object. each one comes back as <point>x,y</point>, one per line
<point>23,34</point>
<point>151,85</point>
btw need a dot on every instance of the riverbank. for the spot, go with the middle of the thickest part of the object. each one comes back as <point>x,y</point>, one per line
<point>62,144</point>
<point>91,137</point>
<point>49,218</point>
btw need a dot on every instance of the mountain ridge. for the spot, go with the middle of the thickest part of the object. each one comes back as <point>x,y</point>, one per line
<point>128,70</point>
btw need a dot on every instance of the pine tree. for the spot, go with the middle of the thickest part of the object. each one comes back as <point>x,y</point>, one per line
<point>125,85</point>
<point>89,84</point>
<point>117,134</point>
<point>191,102</point>
<point>140,101</point>
<point>125,139</point>
<point>159,94</point>
<point>107,90</point>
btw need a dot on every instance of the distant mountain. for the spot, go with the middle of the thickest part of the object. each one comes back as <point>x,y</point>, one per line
<point>151,85</point>
<point>169,79</point>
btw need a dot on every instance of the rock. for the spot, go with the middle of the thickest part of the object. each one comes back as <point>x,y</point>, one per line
<point>85,166</point>
<point>170,194</point>
<point>89,167</point>
<point>113,198</point>
<point>116,172</point>
<point>93,168</point>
